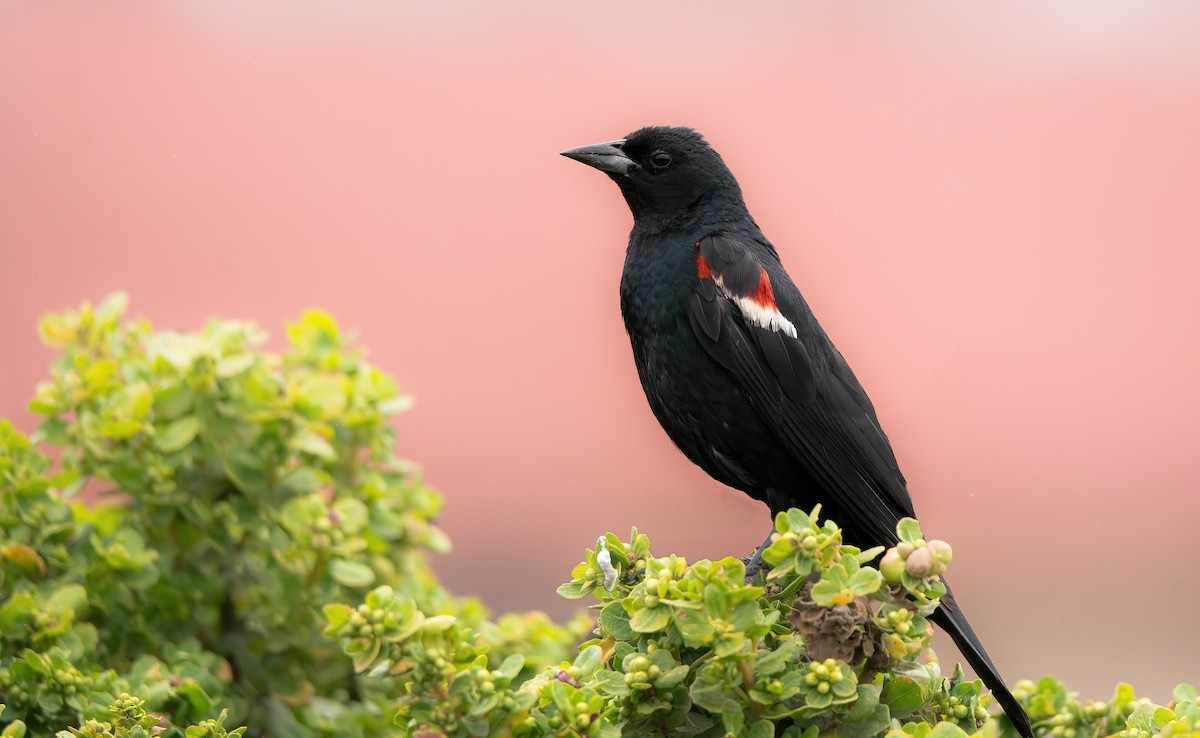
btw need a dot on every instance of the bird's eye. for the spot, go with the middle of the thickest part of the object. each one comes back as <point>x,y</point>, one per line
<point>660,160</point>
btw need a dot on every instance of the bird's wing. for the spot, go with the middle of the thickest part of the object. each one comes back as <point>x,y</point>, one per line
<point>824,417</point>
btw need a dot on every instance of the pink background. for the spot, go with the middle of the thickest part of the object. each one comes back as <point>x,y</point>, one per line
<point>993,210</point>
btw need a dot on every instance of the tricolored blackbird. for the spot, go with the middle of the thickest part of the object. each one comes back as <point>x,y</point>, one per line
<point>735,365</point>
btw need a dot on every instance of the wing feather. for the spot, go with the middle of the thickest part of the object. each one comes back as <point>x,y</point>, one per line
<point>823,417</point>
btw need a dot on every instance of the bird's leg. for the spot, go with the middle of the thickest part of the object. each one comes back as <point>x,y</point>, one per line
<point>755,563</point>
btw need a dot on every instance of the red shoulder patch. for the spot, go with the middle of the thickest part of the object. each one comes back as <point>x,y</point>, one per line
<point>764,296</point>
<point>705,271</point>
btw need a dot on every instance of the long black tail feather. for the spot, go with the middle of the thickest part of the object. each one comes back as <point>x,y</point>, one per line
<point>950,618</point>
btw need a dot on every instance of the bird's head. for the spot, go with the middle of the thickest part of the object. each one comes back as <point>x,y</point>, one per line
<point>663,171</point>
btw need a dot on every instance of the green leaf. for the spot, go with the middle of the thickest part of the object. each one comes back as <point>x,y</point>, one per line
<point>776,660</point>
<point>45,404</point>
<point>99,374</point>
<point>869,555</point>
<point>650,619</point>
<point>902,695</point>
<point>760,729</point>
<point>231,366</point>
<point>172,401</point>
<point>562,699</point>
<point>1162,716</point>
<point>909,530</point>
<point>65,478</point>
<point>23,558</point>
<point>733,717</point>
<point>947,730</point>
<point>119,430</point>
<point>111,308</point>
<point>300,481</point>
<point>1184,692</point>
<point>745,615</point>
<point>847,687</point>
<point>573,590</point>
<point>795,520</point>
<point>312,443</point>
<point>715,601</point>
<point>71,597</point>
<point>611,683</point>
<point>395,405</point>
<point>695,627</point>
<point>512,665</point>
<point>818,701</point>
<point>352,514</point>
<point>672,677</point>
<point>323,393</point>
<point>438,623</point>
<point>711,696</point>
<point>867,718</point>
<point>247,470</point>
<point>866,581</point>
<point>35,661</point>
<point>351,573</point>
<point>177,434</point>
<point>139,401</point>
<point>1145,717</point>
<point>337,615</point>
<point>826,593</point>
<point>16,612</point>
<point>616,551</point>
<point>105,518</point>
<point>588,661</point>
<point>614,621</point>
<point>54,431</point>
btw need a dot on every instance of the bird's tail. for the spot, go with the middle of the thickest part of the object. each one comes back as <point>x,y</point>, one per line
<point>950,618</point>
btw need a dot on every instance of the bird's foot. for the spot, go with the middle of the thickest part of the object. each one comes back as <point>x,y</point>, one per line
<point>755,563</point>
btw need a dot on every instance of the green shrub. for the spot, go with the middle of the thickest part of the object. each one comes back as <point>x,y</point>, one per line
<point>225,537</point>
<point>234,492</point>
<point>824,644</point>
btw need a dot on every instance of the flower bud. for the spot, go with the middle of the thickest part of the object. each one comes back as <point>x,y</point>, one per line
<point>919,563</point>
<point>904,548</point>
<point>942,553</point>
<point>891,566</point>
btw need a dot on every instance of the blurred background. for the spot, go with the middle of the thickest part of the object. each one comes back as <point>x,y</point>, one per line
<point>992,208</point>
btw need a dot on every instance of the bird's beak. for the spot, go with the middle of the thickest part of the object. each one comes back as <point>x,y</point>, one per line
<point>607,157</point>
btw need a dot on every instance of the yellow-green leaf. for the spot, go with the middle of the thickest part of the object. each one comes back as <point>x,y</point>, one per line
<point>23,557</point>
<point>351,573</point>
<point>140,400</point>
<point>324,394</point>
<point>178,434</point>
<point>99,373</point>
<point>234,365</point>
<point>120,429</point>
<point>312,443</point>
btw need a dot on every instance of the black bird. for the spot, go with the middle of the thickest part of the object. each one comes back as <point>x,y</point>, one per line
<point>735,365</point>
